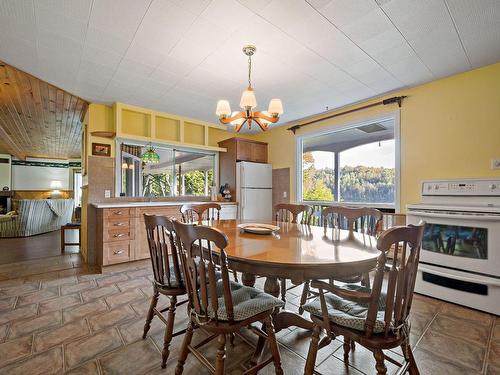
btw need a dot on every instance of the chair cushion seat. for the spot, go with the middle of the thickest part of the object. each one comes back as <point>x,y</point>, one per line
<point>347,313</point>
<point>247,302</point>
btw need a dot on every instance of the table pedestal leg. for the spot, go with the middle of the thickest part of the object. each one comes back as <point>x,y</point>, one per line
<point>283,318</point>
<point>248,279</point>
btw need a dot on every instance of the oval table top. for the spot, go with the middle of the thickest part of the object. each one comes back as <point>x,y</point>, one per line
<point>307,251</point>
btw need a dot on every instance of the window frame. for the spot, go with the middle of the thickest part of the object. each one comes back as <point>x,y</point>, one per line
<point>118,180</point>
<point>299,141</point>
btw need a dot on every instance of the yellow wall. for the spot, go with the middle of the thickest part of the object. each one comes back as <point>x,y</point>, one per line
<point>450,128</point>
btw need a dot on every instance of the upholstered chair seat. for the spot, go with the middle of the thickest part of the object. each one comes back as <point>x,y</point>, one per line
<point>348,313</point>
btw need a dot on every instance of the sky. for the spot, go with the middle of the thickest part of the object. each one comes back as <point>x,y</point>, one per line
<point>370,155</point>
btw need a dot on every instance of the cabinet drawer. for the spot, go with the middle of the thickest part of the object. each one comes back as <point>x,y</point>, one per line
<point>117,252</point>
<point>228,212</point>
<point>116,213</point>
<point>117,234</point>
<point>121,223</point>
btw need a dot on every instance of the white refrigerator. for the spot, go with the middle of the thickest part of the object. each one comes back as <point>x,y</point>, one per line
<point>254,191</point>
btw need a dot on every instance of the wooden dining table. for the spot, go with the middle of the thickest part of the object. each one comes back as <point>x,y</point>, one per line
<point>298,253</point>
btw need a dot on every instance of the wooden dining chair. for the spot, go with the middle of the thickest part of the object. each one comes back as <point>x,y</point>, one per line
<point>220,306</point>
<point>361,220</point>
<point>193,213</point>
<point>375,319</point>
<point>197,212</point>
<point>167,272</point>
<point>295,214</point>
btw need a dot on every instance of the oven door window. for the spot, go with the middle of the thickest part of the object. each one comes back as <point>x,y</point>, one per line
<point>454,240</point>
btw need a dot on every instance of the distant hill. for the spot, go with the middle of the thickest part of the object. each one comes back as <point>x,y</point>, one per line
<point>357,184</point>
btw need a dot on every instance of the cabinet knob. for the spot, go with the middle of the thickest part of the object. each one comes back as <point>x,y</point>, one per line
<point>119,235</point>
<point>119,224</point>
<point>118,252</point>
<point>118,212</point>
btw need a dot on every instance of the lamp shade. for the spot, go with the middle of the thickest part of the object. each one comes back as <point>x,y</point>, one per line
<point>223,108</point>
<point>248,99</point>
<point>275,107</point>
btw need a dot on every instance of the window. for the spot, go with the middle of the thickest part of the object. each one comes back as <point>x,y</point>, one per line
<point>355,164</point>
<point>179,173</point>
<point>77,188</point>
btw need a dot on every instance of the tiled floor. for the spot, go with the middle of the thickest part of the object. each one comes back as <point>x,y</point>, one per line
<point>58,317</point>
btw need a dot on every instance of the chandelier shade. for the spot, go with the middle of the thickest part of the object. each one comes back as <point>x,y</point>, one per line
<point>248,99</point>
<point>248,102</point>
<point>150,156</point>
<point>223,108</point>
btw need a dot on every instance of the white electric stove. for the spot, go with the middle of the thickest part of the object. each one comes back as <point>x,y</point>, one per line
<point>460,256</point>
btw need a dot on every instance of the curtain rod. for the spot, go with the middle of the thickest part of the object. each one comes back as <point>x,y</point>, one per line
<point>394,99</point>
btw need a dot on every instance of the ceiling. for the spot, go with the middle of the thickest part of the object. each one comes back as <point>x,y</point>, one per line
<point>182,56</point>
<point>340,140</point>
<point>38,119</point>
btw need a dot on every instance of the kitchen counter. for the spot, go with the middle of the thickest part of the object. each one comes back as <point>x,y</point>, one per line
<point>119,231</point>
<point>153,204</point>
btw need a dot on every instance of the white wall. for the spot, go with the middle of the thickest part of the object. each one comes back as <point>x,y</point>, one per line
<point>26,177</point>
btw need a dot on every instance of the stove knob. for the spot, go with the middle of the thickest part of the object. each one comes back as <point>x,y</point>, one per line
<point>492,187</point>
<point>436,187</point>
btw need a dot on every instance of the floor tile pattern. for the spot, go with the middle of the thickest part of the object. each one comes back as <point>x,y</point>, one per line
<point>57,316</point>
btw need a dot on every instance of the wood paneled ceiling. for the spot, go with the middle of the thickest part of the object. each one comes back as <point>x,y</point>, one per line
<point>38,119</point>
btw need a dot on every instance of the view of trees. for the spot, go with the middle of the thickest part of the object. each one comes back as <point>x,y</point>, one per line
<point>161,184</point>
<point>357,183</point>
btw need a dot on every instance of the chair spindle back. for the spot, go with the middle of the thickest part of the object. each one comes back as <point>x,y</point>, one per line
<point>195,213</point>
<point>402,272</point>
<point>164,253</point>
<point>286,212</point>
<point>200,266</point>
<point>361,220</point>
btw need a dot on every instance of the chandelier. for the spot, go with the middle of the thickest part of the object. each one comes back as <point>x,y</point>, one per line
<point>150,156</point>
<point>248,102</point>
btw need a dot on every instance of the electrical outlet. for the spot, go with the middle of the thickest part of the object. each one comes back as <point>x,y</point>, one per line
<point>284,194</point>
<point>107,193</point>
<point>495,163</point>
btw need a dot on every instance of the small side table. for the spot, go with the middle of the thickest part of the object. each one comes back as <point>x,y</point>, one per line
<point>73,226</point>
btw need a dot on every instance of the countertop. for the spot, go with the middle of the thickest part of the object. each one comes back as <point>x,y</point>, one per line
<point>153,204</point>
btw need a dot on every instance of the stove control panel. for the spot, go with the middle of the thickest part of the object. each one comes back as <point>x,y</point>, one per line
<point>486,187</point>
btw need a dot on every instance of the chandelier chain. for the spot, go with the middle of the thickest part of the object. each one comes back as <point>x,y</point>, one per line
<point>249,70</point>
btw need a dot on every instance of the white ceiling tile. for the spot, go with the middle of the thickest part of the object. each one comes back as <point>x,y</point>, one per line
<point>255,5</point>
<point>128,78</point>
<point>107,41</point>
<point>193,6</point>
<point>230,13</point>
<point>478,24</point>
<point>429,29</point>
<point>54,22</point>
<point>189,51</point>
<point>120,17</point>
<point>101,57</point>
<point>72,9</point>
<point>343,12</point>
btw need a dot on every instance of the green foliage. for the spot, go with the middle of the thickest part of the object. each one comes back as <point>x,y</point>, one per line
<point>357,184</point>
<point>161,185</point>
<point>194,182</point>
<point>157,185</point>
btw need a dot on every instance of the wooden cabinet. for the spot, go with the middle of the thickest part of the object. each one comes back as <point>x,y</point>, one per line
<point>238,149</point>
<point>121,232</point>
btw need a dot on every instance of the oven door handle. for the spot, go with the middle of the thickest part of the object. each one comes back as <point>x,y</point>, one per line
<point>454,216</point>
<point>481,280</point>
